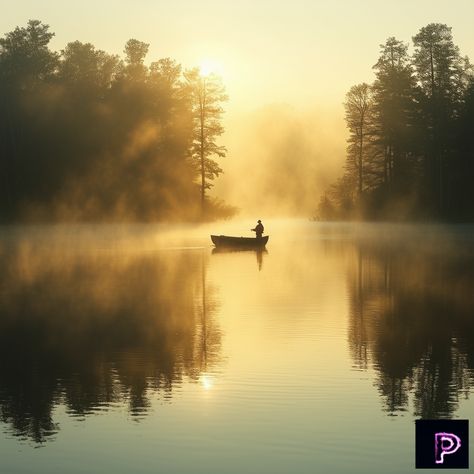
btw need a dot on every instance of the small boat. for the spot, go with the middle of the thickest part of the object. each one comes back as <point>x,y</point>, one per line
<point>239,242</point>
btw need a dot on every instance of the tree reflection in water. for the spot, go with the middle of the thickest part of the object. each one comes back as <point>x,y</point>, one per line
<point>89,329</point>
<point>411,307</point>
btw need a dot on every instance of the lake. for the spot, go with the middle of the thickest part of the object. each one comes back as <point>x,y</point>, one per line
<point>139,348</point>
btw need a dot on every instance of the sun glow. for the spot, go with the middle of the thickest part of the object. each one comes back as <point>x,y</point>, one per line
<point>207,382</point>
<point>209,66</point>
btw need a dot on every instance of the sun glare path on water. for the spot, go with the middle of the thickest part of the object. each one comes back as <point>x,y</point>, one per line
<point>207,382</point>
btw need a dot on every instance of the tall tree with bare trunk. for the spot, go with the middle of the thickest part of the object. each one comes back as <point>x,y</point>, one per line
<point>207,95</point>
<point>358,108</point>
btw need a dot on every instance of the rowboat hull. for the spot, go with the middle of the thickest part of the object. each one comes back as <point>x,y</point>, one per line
<point>221,241</point>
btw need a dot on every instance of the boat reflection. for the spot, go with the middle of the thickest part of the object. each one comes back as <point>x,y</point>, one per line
<point>90,330</point>
<point>259,252</point>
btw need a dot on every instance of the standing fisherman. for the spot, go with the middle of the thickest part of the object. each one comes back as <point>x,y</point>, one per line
<point>258,229</point>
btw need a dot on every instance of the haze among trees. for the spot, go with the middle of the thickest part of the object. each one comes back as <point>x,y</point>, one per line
<point>86,135</point>
<point>410,152</point>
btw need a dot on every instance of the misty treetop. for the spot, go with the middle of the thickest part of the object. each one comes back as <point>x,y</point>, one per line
<point>87,135</point>
<point>410,151</point>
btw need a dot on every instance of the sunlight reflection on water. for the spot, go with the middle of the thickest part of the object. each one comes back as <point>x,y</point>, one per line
<point>139,345</point>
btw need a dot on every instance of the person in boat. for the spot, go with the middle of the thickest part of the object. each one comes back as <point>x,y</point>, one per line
<point>258,229</point>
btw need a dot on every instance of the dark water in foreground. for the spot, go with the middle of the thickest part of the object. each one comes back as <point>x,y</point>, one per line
<point>135,349</point>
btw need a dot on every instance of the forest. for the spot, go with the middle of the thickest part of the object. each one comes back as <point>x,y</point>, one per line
<point>90,136</point>
<point>410,147</point>
<point>86,135</point>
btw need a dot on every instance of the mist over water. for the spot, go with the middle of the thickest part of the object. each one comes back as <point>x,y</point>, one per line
<point>281,159</point>
<point>144,341</point>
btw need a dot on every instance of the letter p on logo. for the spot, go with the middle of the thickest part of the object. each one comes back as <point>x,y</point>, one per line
<point>445,443</point>
<point>442,444</point>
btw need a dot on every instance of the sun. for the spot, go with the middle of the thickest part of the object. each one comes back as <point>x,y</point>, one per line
<point>210,66</point>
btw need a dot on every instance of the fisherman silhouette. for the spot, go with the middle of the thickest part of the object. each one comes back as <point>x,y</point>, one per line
<point>258,229</point>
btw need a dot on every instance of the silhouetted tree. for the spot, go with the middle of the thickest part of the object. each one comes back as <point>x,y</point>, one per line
<point>207,95</point>
<point>87,135</point>
<point>393,93</point>
<point>135,53</point>
<point>442,75</point>
<point>410,140</point>
<point>463,174</point>
<point>83,65</point>
<point>358,106</point>
<point>27,67</point>
<point>25,56</point>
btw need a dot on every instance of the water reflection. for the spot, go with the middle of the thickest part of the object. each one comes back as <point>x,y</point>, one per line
<point>259,253</point>
<point>411,307</point>
<point>84,331</point>
<point>91,329</point>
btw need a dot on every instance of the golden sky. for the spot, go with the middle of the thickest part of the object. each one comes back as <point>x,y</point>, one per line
<point>299,51</point>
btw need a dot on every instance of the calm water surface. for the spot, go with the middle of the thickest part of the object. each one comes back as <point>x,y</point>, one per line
<point>140,349</point>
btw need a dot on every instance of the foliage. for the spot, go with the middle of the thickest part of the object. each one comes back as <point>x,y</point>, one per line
<point>85,135</point>
<point>411,140</point>
<point>207,94</point>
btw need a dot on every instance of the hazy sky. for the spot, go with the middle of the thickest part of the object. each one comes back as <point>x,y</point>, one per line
<point>305,53</point>
<point>298,51</point>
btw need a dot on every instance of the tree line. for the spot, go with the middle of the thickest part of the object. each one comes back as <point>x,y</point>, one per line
<point>87,135</point>
<point>410,152</point>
